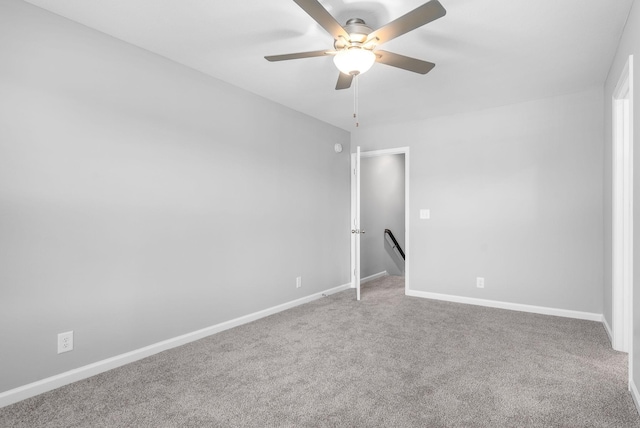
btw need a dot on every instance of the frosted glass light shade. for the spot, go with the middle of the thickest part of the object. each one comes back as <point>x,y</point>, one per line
<point>354,60</point>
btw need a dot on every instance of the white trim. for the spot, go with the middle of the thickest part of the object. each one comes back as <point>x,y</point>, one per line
<point>384,152</point>
<point>510,306</point>
<point>357,222</point>
<point>407,218</point>
<point>635,394</point>
<point>630,306</point>
<point>622,210</point>
<point>358,226</point>
<point>607,328</point>
<point>352,222</point>
<point>622,218</point>
<point>53,382</point>
<point>374,276</point>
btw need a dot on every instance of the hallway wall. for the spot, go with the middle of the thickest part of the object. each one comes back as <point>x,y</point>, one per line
<point>141,200</point>
<point>382,207</point>
<point>515,194</point>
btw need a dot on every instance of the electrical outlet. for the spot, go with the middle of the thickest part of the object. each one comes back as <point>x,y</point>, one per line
<point>480,282</point>
<point>299,282</point>
<point>65,342</point>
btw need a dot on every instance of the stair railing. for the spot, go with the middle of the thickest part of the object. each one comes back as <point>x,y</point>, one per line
<point>393,242</point>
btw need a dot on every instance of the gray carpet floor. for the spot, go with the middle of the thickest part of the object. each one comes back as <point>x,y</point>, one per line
<point>387,361</point>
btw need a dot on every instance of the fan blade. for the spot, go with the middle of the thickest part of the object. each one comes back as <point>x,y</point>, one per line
<point>418,17</point>
<point>344,81</point>
<point>298,55</point>
<point>404,62</point>
<point>324,18</point>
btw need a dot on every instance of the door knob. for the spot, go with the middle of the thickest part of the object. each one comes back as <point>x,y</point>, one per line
<point>362,231</point>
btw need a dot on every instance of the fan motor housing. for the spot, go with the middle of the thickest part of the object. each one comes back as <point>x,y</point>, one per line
<point>358,32</point>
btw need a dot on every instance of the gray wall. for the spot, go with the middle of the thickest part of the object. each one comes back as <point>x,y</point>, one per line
<point>382,207</point>
<point>515,195</point>
<point>141,200</point>
<point>629,45</point>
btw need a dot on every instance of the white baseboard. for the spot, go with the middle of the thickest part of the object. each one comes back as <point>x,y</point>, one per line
<point>635,394</point>
<point>374,276</point>
<point>53,382</point>
<point>506,305</point>
<point>607,328</point>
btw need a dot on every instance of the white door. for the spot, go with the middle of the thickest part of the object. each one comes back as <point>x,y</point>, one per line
<point>355,221</point>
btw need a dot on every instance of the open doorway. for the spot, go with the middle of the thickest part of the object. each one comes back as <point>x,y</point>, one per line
<point>383,218</point>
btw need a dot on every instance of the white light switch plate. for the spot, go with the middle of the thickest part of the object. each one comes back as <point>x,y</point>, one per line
<point>425,214</point>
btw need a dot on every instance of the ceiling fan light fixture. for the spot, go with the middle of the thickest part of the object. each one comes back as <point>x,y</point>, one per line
<point>354,60</point>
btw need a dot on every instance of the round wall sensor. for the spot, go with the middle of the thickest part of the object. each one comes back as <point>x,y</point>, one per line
<point>338,148</point>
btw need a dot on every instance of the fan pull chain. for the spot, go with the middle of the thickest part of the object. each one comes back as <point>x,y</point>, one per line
<point>355,100</point>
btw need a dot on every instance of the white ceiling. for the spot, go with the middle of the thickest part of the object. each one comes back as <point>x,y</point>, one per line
<point>487,52</point>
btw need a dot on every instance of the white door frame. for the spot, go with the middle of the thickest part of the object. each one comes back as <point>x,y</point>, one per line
<point>396,151</point>
<point>622,216</point>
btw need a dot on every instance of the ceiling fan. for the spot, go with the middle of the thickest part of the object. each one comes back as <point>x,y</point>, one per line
<point>355,46</point>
